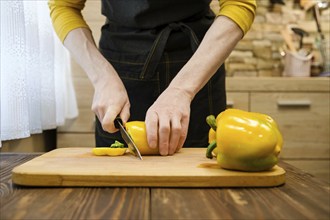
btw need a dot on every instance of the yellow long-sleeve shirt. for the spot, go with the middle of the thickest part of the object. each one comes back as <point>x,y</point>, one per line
<point>66,14</point>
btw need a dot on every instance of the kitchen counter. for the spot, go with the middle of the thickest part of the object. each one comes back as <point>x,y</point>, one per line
<point>301,197</point>
<point>278,84</point>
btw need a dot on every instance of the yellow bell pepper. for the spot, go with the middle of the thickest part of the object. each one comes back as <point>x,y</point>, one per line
<point>246,141</point>
<point>137,131</point>
<point>116,149</point>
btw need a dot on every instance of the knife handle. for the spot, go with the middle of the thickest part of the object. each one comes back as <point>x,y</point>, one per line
<point>117,121</point>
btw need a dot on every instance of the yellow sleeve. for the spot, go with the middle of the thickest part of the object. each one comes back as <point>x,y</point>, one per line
<point>66,16</point>
<point>242,12</point>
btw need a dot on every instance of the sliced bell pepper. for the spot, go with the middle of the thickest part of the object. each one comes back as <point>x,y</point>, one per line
<point>116,149</point>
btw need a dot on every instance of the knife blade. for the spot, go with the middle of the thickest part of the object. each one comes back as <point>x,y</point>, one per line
<point>131,145</point>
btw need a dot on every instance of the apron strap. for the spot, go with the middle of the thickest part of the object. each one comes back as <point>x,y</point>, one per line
<point>159,45</point>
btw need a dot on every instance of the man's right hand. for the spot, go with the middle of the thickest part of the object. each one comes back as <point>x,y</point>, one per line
<point>110,96</point>
<point>110,100</point>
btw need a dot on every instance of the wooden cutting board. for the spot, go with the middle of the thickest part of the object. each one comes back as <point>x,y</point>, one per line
<point>187,168</point>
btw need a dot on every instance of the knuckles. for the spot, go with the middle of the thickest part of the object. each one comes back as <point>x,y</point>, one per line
<point>108,126</point>
<point>96,107</point>
<point>164,129</point>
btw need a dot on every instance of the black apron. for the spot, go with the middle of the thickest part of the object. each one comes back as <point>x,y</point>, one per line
<point>148,42</point>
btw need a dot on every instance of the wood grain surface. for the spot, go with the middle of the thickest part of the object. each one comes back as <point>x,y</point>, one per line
<point>67,203</point>
<point>301,197</point>
<point>188,168</point>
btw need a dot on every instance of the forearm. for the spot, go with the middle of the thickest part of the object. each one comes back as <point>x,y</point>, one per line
<point>216,46</point>
<point>82,47</point>
<point>110,96</point>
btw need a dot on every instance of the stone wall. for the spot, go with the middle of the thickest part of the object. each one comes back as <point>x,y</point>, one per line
<point>257,54</point>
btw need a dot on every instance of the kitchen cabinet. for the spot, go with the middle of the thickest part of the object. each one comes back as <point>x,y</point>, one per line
<point>301,108</point>
<point>238,100</point>
<point>303,120</point>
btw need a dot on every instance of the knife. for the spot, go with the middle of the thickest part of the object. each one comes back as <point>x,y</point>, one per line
<point>127,138</point>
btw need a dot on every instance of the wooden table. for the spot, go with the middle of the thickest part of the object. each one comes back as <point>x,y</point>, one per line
<point>301,197</point>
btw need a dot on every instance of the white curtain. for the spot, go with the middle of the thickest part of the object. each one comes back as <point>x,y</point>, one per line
<point>36,87</point>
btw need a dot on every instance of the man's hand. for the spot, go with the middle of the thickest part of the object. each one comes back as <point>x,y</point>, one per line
<point>110,100</point>
<point>168,118</point>
<point>167,121</point>
<point>110,96</point>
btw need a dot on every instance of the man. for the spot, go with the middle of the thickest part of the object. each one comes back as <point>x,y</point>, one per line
<point>158,61</point>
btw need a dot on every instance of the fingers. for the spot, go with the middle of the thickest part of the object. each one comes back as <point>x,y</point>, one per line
<point>176,129</point>
<point>110,100</point>
<point>178,134</point>
<point>99,113</point>
<point>184,132</point>
<point>125,113</point>
<point>168,133</point>
<point>164,135</point>
<point>152,129</point>
<point>107,118</point>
